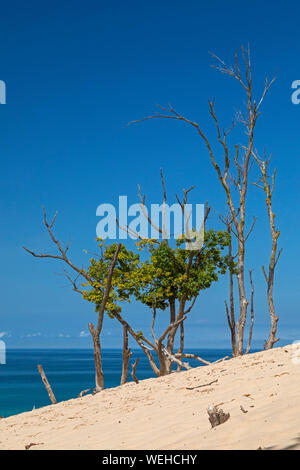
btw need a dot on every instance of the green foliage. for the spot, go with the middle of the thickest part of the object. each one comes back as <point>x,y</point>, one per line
<point>164,276</point>
<point>98,270</point>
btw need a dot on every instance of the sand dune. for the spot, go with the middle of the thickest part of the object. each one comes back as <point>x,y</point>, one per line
<point>169,413</point>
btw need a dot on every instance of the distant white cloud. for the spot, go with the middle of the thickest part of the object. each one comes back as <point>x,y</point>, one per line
<point>83,334</point>
<point>3,333</point>
<point>33,335</point>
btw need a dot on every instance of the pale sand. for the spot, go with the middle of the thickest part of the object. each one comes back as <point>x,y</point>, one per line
<point>163,414</point>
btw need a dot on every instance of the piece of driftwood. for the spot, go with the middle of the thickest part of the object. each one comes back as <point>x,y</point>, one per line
<point>192,356</point>
<point>203,385</point>
<point>83,392</point>
<point>216,417</point>
<point>47,385</point>
<point>243,409</point>
<point>221,360</point>
<point>134,370</point>
<point>27,447</point>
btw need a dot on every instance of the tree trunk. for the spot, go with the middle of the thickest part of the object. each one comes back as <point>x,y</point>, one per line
<point>243,300</point>
<point>172,311</point>
<point>99,376</point>
<point>172,335</point>
<point>270,282</point>
<point>126,356</point>
<point>270,279</point>
<point>231,314</point>
<point>163,362</point>
<point>252,314</point>
<point>47,385</point>
<point>268,189</point>
<point>133,373</point>
<point>138,339</point>
<point>181,348</point>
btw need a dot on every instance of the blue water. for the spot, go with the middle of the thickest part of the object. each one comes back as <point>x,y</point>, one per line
<point>68,371</point>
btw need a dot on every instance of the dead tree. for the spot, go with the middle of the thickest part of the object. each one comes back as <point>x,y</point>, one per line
<point>47,385</point>
<point>241,163</point>
<point>268,188</point>
<point>80,272</point>
<point>133,372</point>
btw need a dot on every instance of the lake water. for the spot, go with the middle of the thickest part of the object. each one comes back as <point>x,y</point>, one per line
<point>69,371</point>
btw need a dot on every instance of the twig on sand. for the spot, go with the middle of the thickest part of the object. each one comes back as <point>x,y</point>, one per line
<point>203,385</point>
<point>83,392</point>
<point>221,360</point>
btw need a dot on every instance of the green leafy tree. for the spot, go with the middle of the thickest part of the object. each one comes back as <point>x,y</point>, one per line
<point>171,277</point>
<point>121,285</point>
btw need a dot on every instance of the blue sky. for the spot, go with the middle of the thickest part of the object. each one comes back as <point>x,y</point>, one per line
<point>76,73</point>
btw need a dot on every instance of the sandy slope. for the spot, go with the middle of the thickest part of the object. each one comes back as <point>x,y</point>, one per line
<point>164,414</point>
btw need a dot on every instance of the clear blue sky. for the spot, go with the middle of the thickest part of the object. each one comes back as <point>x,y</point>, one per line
<point>76,72</point>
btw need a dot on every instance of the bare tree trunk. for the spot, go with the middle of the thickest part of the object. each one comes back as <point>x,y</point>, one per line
<point>231,314</point>
<point>181,348</point>
<point>270,279</point>
<point>47,385</point>
<point>274,318</point>
<point>99,376</point>
<point>165,355</point>
<point>172,335</point>
<point>96,332</point>
<point>252,314</point>
<point>133,373</point>
<point>126,356</point>
<point>243,302</point>
<point>139,339</point>
<point>268,189</point>
<point>162,360</point>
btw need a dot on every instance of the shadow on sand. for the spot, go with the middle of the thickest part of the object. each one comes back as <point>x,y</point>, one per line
<point>294,446</point>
